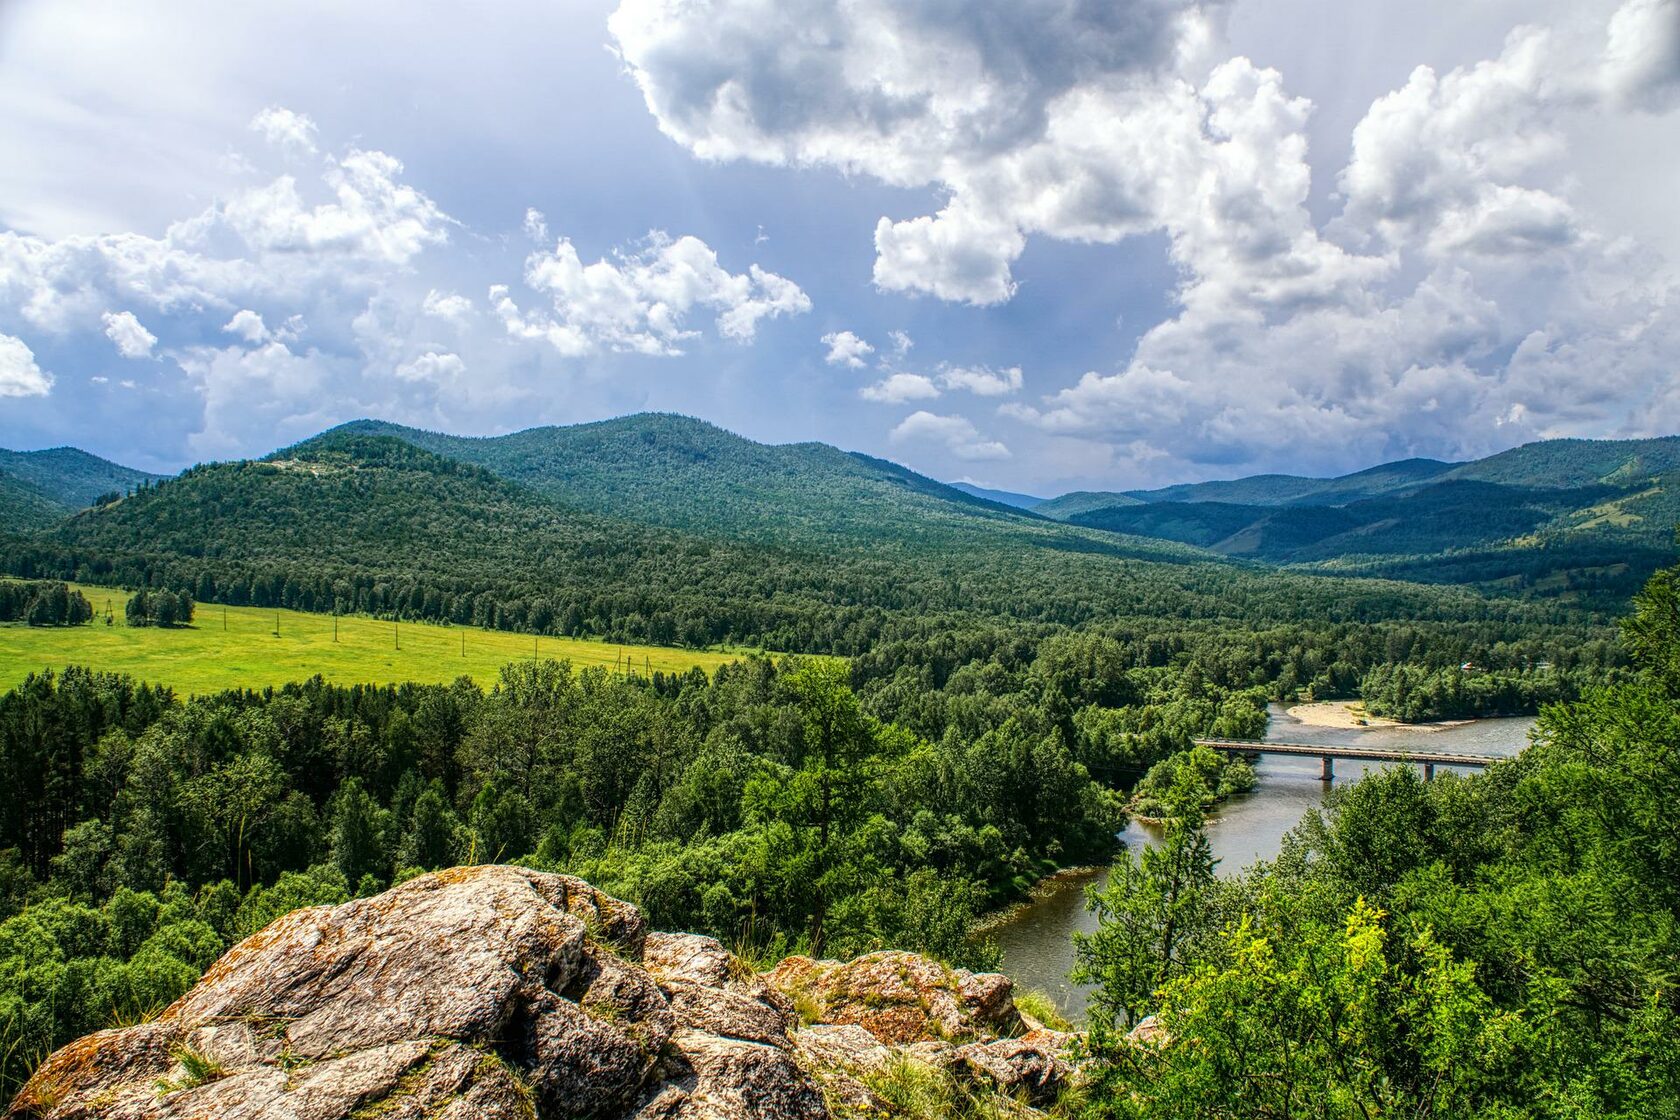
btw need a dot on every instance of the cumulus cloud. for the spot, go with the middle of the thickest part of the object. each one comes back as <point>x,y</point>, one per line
<point>1641,65</point>
<point>247,324</point>
<point>19,375</point>
<point>955,433</point>
<point>286,129</point>
<point>897,388</point>
<point>640,301</point>
<point>374,216</point>
<point>1459,299</point>
<point>447,305</point>
<point>846,349</point>
<point>432,366</point>
<point>131,339</point>
<point>981,380</point>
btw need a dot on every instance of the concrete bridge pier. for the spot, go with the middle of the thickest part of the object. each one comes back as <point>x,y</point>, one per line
<point>1328,773</point>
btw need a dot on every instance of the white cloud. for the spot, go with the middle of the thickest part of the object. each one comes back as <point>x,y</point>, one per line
<point>19,375</point>
<point>247,324</point>
<point>131,339</point>
<point>1462,297</point>
<point>957,434</point>
<point>981,380</point>
<point>447,305</point>
<point>846,349</point>
<point>374,217</point>
<point>1641,65</point>
<point>267,393</point>
<point>901,341</point>
<point>285,129</point>
<point>535,225</point>
<point>897,388</point>
<point>640,301</point>
<point>432,366</point>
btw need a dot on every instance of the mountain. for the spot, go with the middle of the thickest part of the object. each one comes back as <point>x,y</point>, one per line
<point>353,521</point>
<point>23,506</point>
<point>40,487</point>
<point>1582,518</point>
<point>1285,489</point>
<point>71,477</point>
<point>1083,501</point>
<point>682,473</point>
<point>1002,497</point>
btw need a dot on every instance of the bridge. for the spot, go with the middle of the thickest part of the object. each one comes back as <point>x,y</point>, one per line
<point>1328,754</point>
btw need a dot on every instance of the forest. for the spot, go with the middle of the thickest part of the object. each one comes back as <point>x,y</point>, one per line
<point>783,805</point>
<point>1495,946</point>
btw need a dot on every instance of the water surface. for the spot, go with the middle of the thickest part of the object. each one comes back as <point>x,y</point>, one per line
<point>1037,939</point>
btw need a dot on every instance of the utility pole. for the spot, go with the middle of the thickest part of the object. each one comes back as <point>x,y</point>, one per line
<point>396,631</point>
<point>463,643</point>
<point>276,624</point>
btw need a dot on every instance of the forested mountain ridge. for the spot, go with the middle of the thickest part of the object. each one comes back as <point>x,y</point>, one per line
<point>356,522</point>
<point>40,487</point>
<point>684,473</point>
<point>1587,519</point>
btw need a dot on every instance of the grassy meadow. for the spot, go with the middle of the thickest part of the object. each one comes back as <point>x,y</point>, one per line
<point>237,647</point>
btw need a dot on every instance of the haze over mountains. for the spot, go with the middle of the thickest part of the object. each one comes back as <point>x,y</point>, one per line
<point>1571,518</point>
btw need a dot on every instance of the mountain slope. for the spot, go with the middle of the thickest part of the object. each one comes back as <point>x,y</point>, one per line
<point>355,522</point>
<point>682,473</point>
<point>71,477</point>
<point>1002,497</point>
<point>23,506</point>
<point>1581,518</point>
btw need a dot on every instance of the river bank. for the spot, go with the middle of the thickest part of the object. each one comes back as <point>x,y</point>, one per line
<point>1036,937</point>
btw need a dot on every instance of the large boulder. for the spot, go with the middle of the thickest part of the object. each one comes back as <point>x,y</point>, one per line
<point>900,998</point>
<point>495,993</point>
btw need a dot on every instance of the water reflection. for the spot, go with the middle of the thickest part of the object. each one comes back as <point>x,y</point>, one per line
<point>1037,940</point>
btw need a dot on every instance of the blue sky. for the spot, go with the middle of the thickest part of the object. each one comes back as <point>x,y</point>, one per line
<point>1038,244</point>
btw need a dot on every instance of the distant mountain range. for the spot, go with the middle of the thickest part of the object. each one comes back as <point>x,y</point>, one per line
<point>1577,519</point>
<point>1551,516</point>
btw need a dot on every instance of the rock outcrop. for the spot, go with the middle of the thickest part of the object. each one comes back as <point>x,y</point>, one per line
<point>499,993</point>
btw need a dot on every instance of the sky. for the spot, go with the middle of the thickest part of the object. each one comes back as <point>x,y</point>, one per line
<point>1040,245</point>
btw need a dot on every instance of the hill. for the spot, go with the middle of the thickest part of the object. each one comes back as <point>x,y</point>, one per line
<point>1285,489</point>
<point>682,473</point>
<point>23,506</point>
<point>356,522</point>
<point>71,477</point>
<point>1587,519</point>
<point>1003,497</point>
<point>40,487</point>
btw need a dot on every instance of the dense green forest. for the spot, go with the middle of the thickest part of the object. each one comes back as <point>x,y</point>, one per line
<point>43,603</point>
<point>1500,945</point>
<point>39,488</point>
<point>778,805</point>
<point>363,523</point>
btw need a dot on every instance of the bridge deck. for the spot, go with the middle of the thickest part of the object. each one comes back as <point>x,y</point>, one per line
<point>1367,754</point>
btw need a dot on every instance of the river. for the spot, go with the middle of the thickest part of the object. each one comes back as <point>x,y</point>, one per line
<point>1037,939</point>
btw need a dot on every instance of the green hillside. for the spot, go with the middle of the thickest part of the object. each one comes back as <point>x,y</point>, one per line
<point>1066,507</point>
<point>683,473</point>
<point>70,477</point>
<point>1574,463</point>
<point>1581,519</point>
<point>24,508</point>
<point>371,524</point>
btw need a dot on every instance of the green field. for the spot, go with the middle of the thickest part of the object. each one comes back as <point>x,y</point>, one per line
<point>237,647</point>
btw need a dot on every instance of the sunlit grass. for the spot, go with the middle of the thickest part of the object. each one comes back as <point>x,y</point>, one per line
<point>250,647</point>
